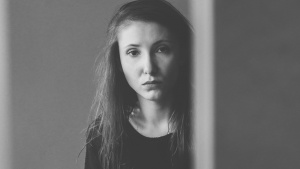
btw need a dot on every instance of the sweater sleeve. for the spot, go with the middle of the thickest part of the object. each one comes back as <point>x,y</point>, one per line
<point>91,157</point>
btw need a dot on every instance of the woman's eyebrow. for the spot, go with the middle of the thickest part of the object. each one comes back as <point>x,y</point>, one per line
<point>133,45</point>
<point>155,43</point>
<point>163,40</point>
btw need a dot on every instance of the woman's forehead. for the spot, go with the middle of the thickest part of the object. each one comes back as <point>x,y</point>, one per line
<point>135,31</point>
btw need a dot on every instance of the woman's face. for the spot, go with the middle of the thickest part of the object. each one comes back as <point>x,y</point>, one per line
<point>149,60</point>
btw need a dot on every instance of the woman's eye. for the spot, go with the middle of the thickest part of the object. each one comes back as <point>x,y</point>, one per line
<point>133,52</point>
<point>163,49</point>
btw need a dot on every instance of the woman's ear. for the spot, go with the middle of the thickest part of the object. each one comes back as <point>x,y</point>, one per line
<point>117,56</point>
<point>119,65</point>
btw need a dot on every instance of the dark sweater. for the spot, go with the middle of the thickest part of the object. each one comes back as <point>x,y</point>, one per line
<point>139,152</point>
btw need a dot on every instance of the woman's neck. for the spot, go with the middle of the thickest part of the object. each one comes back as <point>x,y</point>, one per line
<point>152,119</point>
<point>154,112</point>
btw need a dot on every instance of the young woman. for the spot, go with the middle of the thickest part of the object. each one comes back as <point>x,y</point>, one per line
<point>142,104</point>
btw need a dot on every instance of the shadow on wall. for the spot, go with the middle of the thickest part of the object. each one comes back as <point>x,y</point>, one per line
<point>257,84</point>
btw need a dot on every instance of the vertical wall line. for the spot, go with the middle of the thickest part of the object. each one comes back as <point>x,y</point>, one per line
<point>203,73</point>
<point>5,143</point>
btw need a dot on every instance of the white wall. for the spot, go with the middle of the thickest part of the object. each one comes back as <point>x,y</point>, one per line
<point>5,127</point>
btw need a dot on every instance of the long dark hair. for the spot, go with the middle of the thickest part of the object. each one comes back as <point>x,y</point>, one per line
<point>114,97</point>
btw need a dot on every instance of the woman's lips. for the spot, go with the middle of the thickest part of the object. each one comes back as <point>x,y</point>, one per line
<point>152,82</point>
<point>150,85</point>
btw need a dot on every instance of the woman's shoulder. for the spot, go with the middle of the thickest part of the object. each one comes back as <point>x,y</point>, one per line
<point>93,138</point>
<point>93,144</point>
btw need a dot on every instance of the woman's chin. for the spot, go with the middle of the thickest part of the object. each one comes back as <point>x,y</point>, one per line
<point>151,96</point>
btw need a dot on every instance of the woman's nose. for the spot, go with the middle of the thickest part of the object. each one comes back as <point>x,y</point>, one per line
<point>149,66</point>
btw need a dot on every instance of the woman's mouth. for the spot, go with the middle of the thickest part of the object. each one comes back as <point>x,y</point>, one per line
<point>151,85</point>
<point>154,82</point>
